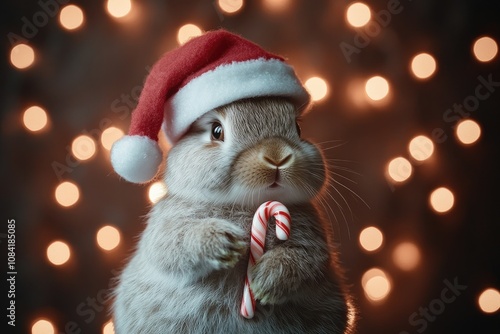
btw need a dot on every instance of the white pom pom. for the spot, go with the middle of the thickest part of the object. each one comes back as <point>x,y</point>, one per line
<point>136,158</point>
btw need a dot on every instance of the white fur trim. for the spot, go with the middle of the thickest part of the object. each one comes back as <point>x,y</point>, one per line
<point>136,158</point>
<point>229,83</point>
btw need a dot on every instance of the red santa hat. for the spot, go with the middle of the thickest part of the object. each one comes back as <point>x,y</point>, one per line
<point>207,72</point>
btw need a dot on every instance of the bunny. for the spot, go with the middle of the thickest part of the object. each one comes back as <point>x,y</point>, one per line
<point>188,271</point>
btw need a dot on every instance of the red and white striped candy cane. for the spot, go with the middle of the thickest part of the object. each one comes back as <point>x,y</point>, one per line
<point>257,243</point>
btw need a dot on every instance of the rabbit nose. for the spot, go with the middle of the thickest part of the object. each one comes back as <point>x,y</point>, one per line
<point>278,161</point>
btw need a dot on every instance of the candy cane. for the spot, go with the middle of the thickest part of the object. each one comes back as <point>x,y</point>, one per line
<point>257,243</point>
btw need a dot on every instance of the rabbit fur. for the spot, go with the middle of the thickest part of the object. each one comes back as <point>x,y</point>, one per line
<point>188,271</point>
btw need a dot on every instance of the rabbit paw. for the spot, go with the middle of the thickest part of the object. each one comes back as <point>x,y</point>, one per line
<point>223,245</point>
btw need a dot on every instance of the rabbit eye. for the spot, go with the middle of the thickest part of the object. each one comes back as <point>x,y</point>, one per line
<point>299,131</point>
<point>217,131</point>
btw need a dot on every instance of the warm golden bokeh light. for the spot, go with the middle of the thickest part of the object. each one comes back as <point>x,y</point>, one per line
<point>371,238</point>
<point>485,49</point>
<point>108,328</point>
<point>317,87</point>
<point>67,194</point>
<point>156,191</point>
<point>108,237</point>
<point>421,148</point>
<point>22,56</point>
<point>468,132</point>
<point>187,32</point>
<point>42,326</point>
<point>377,88</point>
<point>423,66</point>
<point>358,14</point>
<point>489,300</point>
<point>83,147</point>
<point>406,256</point>
<point>71,17</point>
<point>35,118</point>
<point>58,253</point>
<point>109,136</point>
<point>119,8</point>
<point>376,284</point>
<point>230,6</point>
<point>441,200</point>
<point>399,169</point>
<point>276,5</point>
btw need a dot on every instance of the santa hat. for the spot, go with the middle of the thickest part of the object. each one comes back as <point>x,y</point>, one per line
<point>207,72</point>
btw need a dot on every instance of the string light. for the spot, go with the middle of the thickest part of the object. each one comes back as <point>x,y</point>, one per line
<point>71,17</point>
<point>35,118</point>
<point>377,88</point>
<point>42,326</point>
<point>423,66</point>
<point>376,284</point>
<point>108,328</point>
<point>67,194</point>
<point>317,87</point>
<point>371,238</point>
<point>119,8</point>
<point>406,256</point>
<point>441,200</point>
<point>58,253</point>
<point>230,6</point>
<point>421,148</point>
<point>489,300</point>
<point>83,147</point>
<point>358,14</point>
<point>22,56</point>
<point>156,191</point>
<point>108,237</point>
<point>109,136</point>
<point>485,49</point>
<point>399,169</point>
<point>186,32</point>
<point>468,132</point>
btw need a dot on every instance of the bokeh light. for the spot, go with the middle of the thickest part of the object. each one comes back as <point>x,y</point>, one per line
<point>71,17</point>
<point>42,326</point>
<point>83,147</point>
<point>377,88</point>
<point>423,66</point>
<point>156,191</point>
<point>67,194</point>
<point>421,148</point>
<point>35,118</point>
<point>108,237</point>
<point>109,136</point>
<point>58,253</point>
<point>22,56</point>
<point>399,169</point>
<point>371,238</point>
<point>441,200</point>
<point>358,14</point>
<point>376,284</point>
<point>468,131</point>
<point>317,87</point>
<point>406,255</point>
<point>188,31</point>
<point>275,5</point>
<point>119,8</point>
<point>485,49</point>
<point>230,6</point>
<point>489,300</point>
<point>108,328</point>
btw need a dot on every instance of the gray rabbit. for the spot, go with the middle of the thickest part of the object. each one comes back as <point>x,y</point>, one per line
<point>188,271</point>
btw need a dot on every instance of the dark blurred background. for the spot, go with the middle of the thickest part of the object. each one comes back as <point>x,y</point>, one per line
<point>82,67</point>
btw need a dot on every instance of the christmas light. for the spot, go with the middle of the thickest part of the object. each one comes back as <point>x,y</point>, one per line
<point>468,132</point>
<point>109,136</point>
<point>406,255</point>
<point>35,118</point>
<point>58,253</point>
<point>83,147</point>
<point>377,88</point>
<point>358,14</point>
<point>71,17</point>
<point>376,284</point>
<point>399,169</point>
<point>317,87</point>
<point>156,191</point>
<point>42,326</point>
<point>489,300</point>
<point>67,194</point>
<point>371,238</point>
<point>230,6</point>
<point>441,200</point>
<point>22,56</point>
<point>485,49</point>
<point>187,32</point>
<point>108,328</point>
<point>119,8</point>
<point>108,237</point>
<point>423,66</point>
<point>421,148</point>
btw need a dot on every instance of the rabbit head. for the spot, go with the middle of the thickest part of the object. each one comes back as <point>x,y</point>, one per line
<point>246,153</point>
